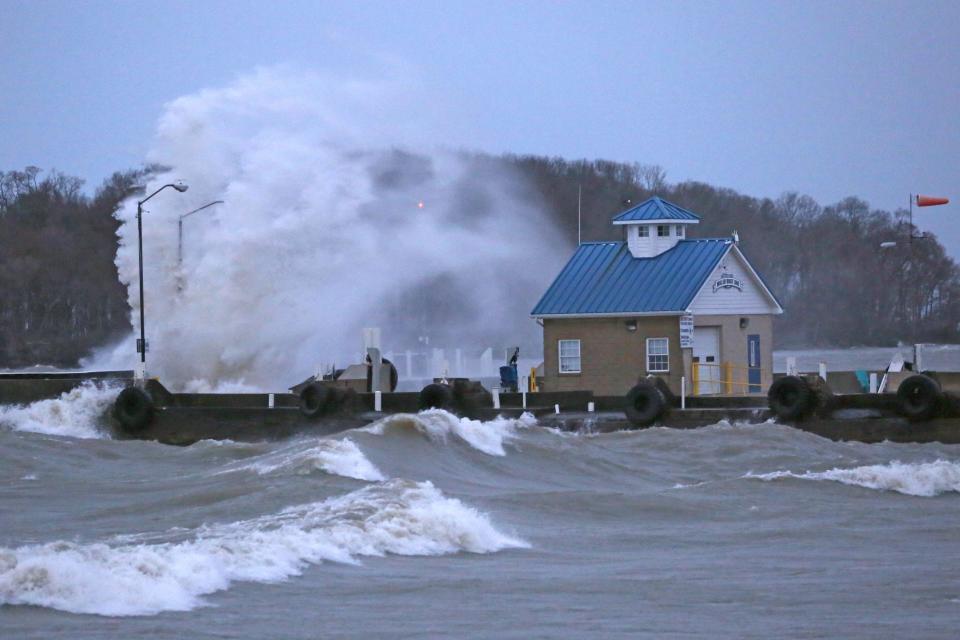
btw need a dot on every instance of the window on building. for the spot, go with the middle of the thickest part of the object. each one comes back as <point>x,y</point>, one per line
<point>658,355</point>
<point>680,230</point>
<point>643,231</point>
<point>663,230</point>
<point>569,356</point>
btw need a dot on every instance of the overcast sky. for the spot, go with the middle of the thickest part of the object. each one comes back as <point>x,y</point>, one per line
<point>829,99</point>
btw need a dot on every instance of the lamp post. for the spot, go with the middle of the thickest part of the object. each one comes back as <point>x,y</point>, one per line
<point>142,342</point>
<point>180,228</point>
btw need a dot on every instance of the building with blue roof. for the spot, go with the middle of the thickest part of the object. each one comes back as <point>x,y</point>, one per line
<point>691,311</point>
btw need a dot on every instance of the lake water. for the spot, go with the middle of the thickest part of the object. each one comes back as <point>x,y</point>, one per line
<point>433,526</point>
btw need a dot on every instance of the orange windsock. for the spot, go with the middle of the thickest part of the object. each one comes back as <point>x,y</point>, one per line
<point>928,201</point>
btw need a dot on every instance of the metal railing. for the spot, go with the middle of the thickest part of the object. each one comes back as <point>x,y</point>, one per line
<point>725,378</point>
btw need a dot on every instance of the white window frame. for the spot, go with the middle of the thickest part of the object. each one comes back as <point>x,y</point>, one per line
<point>643,231</point>
<point>665,355</point>
<point>665,228</point>
<point>562,357</point>
<point>680,230</point>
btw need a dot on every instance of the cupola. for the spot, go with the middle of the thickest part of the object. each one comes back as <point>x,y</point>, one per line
<point>655,226</point>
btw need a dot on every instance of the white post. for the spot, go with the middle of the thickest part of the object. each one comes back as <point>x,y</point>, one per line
<point>375,365</point>
<point>140,374</point>
<point>791,365</point>
<point>918,358</point>
<point>524,398</point>
<point>590,407</point>
<point>823,371</point>
<point>377,401</point>
<point>683,392</point>
<point>556,408</point>
<point>496,397</point>
<point>270,401</point>
<point>873,382</point>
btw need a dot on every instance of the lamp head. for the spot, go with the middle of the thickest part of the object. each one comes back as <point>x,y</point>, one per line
<point>179,186</point>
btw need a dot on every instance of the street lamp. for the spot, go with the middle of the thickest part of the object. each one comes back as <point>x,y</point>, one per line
<point>142,342</point>
<point>180,228</point>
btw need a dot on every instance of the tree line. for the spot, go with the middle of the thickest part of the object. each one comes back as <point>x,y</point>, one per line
<point>62,296</point>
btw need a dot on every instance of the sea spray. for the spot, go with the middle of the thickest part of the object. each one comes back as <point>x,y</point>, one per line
<point>326,228</point>
<point>78,413</point>
<point>925,479</point>
<point>396,517</point>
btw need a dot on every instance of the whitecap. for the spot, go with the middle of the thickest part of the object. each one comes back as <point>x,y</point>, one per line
<point>397,517</point>
<point>486,436</point>
<point>925,479</point>
<point>338,457</point>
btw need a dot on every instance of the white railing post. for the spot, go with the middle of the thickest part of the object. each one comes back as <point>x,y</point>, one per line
<point>496,397</point>
<point>270,401</point>
<point>556,408</point>
<point>377,401</point>
<point>590,407</point>
<point>524,395</point>
<point>873,382</point>
<point>683,392</point>
<point>823,371</point>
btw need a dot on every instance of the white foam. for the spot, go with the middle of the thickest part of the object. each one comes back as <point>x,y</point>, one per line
<point>339,457</point>
<point>397,517</point>
<point>437,424</point>
<point>77,413</point>
<point>924,479</point>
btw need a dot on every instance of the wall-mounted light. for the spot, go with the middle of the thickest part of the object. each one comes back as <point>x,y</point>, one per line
<point>631,325</point>
<point>744,323</point>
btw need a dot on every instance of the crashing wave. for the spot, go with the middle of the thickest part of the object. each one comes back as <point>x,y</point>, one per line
<point>397,517</point>
<point>78,413</point>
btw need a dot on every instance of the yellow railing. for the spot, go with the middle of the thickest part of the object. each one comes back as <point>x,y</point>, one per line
<point>724,378</point>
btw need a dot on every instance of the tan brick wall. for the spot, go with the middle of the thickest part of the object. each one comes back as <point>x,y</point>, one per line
<point>733,344</point>
<point>611,357</point>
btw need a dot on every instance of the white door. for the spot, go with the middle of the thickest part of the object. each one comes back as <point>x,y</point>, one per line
<point>706,352</point>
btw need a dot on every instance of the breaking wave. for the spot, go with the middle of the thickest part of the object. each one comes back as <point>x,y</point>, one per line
<point>338,457</point>
<point>78,413</point>
<point>397,517</point>
<point>437,424</point>
<point>926,479</point>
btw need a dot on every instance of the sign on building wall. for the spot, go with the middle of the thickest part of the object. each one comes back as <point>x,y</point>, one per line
<point>727,281</point>
<point>686,331</point>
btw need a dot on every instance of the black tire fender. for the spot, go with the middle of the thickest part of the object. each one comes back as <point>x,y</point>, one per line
<point>317,400</point>
<point>790,398</point>
<point>435,396</point>
<point>133,409</point>
<point>919,398</point>
<point>645,404</point>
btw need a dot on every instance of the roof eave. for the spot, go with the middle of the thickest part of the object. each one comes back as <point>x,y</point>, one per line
<point>617,314</point>
<point>658,221</point>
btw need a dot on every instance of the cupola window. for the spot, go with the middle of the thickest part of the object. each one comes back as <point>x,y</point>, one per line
<point>663,230</point>
<point>643,231</point>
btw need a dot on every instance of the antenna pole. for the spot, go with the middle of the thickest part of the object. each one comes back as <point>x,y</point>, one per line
<point>579,194</point>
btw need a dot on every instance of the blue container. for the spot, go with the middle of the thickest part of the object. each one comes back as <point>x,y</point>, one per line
<point>508,377</point>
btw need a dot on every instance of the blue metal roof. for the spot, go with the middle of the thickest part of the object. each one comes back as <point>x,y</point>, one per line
<point>656,208</point>
<point>603,277</point>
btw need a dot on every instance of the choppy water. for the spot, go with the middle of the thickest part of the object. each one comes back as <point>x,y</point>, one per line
<point>430,526</point>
